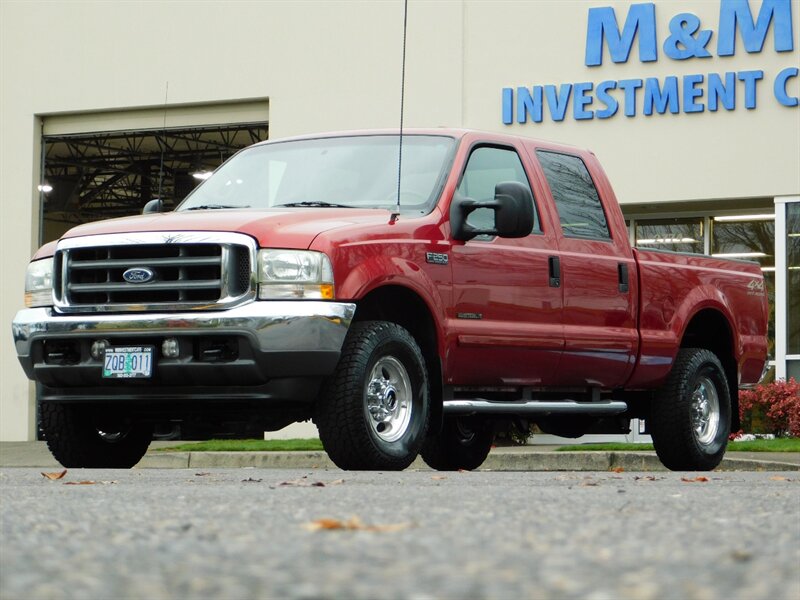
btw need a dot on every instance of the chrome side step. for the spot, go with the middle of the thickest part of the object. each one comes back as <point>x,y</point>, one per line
<point>529,407</point>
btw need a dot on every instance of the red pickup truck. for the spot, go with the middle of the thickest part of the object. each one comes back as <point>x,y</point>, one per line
<point>487,283</point>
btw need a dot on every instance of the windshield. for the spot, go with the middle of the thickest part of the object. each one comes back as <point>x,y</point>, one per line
<point>351,172</point>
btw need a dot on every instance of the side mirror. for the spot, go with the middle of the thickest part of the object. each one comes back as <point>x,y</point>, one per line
<point>513,210</point>
<point>153,206</point>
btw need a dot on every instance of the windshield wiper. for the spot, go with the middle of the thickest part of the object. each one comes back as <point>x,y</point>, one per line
<point>315,203</point>
<point>214,207</point>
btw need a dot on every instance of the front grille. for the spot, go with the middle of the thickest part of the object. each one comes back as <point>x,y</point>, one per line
<point>179,276</point>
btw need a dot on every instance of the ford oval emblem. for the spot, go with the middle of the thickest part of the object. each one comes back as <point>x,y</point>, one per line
<point>138,275</point>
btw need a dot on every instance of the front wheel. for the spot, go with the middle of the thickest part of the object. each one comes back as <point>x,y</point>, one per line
<point>78,438</point>
<point>690,416</point>
<point>373,413</point>
<point>464,443</point>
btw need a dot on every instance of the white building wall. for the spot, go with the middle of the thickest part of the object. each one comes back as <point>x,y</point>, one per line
<point>336,65</point>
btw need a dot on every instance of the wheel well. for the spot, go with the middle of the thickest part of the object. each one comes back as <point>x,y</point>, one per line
<point>406,308</point>
<point>710,329</point>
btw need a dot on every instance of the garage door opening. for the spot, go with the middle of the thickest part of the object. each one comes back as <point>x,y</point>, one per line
<point>100,175</point>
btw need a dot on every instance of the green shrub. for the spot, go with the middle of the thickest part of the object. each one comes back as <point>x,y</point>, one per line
<point>771,408</point>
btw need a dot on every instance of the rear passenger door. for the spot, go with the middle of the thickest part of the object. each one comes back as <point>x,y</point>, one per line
<point>506,316</point>
<point>598,277</point>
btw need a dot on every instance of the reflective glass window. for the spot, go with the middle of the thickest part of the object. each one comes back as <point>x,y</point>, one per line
<point>678,235</point>
<point>793,277</point>
<point>577,201</point>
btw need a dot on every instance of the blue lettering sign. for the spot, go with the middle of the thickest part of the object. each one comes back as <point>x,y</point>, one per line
<point>750,79</point>
<point>558,104</point>
<point>735,14</point>
<point>527,104</point>
<point>630,86</point>
<point>683,44</point>
<point>655,96</point>
<point>780,87</point>
<point>603,26</point>
<point>726,92</point>
<point>690,92</point>
<point>603,96</point>
<point>581,100</point>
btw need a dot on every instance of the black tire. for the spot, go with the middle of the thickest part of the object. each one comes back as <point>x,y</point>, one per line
<point>686,436</point>
<point>76,442</point>
<point>464,443</point>
<point>381,367</point>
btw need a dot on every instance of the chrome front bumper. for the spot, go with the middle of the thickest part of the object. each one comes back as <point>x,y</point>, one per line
<point>276,338</point>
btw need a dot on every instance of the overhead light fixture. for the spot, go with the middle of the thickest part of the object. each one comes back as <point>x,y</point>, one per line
<point>45,188</point>
<point>739,255</point>
<point>768,269</point>
<point>761,217</point>
<point>685,240</point>
<point>202,175</point>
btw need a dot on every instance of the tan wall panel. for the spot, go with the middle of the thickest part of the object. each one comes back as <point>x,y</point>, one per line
<point>157,117</point>
<point>336,65</point>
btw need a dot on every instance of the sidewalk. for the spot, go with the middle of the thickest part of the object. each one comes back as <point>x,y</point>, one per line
<point>517,458</point>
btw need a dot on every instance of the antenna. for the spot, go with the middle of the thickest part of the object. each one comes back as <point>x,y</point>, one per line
<point>396,212</point>
<point>163,146</point>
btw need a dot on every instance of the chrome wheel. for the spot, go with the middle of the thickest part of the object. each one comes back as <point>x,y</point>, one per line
<point>705,411</point>
<point>389,396</point>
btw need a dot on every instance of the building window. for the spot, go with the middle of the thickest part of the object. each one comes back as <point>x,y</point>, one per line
<point>679,235</point>
<point>793,278</point>
<point>750,237</point>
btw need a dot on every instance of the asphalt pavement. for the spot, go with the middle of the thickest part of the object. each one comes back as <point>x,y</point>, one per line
<point>303,534</point>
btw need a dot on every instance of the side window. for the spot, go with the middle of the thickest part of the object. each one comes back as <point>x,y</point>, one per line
<point>486,167</point>
<point>578,204</point>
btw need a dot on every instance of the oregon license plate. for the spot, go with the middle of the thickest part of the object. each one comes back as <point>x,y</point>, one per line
<point>128,362</point>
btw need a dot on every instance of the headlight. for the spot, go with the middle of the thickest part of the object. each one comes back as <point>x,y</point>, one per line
<point>39,283</point>
<point>284,274</point>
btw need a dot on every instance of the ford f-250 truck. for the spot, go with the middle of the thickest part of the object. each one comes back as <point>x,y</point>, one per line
<point>487,282</point>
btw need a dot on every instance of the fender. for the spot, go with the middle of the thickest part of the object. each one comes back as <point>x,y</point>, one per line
<point>382,270</point>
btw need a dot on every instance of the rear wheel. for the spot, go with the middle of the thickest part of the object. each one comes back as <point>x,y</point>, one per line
<point>690,417</point>
<point>78,438</point>
<point>373,413</point>
<point>464,443</point>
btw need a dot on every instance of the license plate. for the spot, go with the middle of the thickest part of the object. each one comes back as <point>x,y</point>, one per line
<point>128,362</point>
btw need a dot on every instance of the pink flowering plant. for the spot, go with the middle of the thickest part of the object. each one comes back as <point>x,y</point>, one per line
<point>776,404</point>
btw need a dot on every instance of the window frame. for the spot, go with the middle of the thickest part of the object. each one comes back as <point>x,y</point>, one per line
<point>537,219</point>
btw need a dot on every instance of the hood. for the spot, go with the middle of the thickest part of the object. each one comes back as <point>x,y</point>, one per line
<point>279,228</point>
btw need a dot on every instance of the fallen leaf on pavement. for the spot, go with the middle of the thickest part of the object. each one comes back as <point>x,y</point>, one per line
<point>698,479</point>
<point>646,478</point>
<point>80,482</point>
<point>588,483</point>
<point>353,524</point>
<point>439,477</point>
<point>201,474</point>
<point>618,469</point>
<point>303,482</point>
<point>336,482</point>
<point>775,478</point>
<point>52,476</point>
<point>250,479</point>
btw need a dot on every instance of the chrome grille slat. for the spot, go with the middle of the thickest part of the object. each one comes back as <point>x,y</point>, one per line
<point>135,287</point>
<point>190,271</point>
<point>154,262</point>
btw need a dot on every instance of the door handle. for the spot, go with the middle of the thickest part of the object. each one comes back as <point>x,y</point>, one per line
<point>622,270</point>
<point>554,266</point>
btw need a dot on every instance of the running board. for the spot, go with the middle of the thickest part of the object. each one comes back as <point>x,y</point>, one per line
<point>562,407</point>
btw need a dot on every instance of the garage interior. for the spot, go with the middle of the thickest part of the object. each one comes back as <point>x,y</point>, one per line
<point>101,175</point>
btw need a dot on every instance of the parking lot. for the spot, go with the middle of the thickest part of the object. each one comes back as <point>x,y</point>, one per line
<point>267,533</point>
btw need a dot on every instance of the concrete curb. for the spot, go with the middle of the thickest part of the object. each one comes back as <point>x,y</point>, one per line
<point>496,461</point>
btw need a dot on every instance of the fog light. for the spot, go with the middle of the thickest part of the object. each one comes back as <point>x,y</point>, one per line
<point>170,348</point>
<point>99,348</point>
